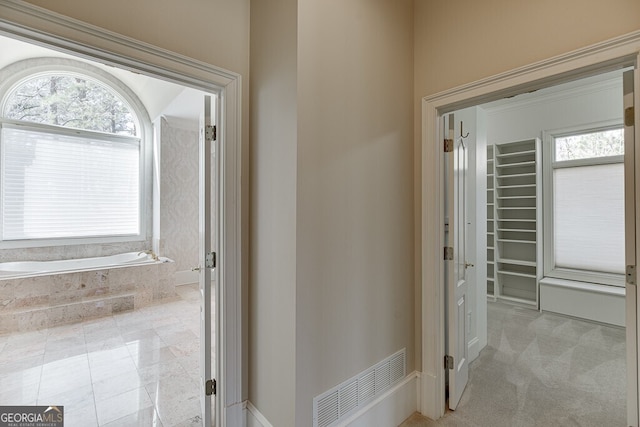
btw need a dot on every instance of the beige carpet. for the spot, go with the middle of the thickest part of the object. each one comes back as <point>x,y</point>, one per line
<point>542,370</point>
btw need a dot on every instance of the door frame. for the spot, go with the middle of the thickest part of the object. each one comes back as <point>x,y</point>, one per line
<point>208,242</point>
<point>602,57</point>
<point>39,26</point>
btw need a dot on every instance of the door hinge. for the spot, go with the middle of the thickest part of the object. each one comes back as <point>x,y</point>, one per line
<point>448,253</point>
<point>629,116</point>
<point>211,387</point>
<point>210,133</point>
<point>210,260</point>
<point>631,274</point>
<point>448,145</point>
<point>448,362</point>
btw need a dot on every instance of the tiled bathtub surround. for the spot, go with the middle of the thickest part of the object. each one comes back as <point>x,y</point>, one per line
<point>50,253</point>
<point>33,303</point>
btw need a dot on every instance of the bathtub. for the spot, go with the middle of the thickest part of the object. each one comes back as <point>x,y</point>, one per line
<point>43,294</point>
<point>30,268</point>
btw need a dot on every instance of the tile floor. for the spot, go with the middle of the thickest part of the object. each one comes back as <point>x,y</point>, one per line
<point>139,368</point>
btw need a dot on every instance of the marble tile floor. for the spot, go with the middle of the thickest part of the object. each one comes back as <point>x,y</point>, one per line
<point>139,368</point>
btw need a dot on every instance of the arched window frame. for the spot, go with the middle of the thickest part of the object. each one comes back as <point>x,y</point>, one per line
<point>14,74</point>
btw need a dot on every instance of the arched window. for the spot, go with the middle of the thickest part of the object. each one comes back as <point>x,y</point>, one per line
<point>71,160</point>
<point>72,101</point>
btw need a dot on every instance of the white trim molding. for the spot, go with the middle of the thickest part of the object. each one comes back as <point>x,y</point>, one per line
<point>585,62</point>
<point>37,25</point>
<point>606,56</point>
<point>255,417</point>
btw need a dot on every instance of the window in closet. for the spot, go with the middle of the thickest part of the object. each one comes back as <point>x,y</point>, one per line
<point>584,203</point>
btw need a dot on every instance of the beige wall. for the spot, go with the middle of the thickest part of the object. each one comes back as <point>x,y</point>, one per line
<point>332,281</point>
<point>272,308</point>
<point>460,41</point>
<point>355,281</point>
<point>213,31</point>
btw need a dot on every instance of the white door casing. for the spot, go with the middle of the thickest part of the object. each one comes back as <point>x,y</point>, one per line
<point>606,56</point>
<point>208,249</point>
<point>37,25</point>
<point>457,341</point>
<point>630,197</point>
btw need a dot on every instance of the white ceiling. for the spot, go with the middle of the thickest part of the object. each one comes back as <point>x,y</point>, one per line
<point>586,84</point>
<point>161,98</point>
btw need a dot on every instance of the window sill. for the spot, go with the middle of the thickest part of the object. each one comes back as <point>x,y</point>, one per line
<point>566,275</point>
<point>584,286</point>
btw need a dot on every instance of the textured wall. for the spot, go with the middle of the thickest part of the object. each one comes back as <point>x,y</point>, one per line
<point>179,193</point>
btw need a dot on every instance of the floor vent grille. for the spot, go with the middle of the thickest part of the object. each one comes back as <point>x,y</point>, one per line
<point>334,405</point>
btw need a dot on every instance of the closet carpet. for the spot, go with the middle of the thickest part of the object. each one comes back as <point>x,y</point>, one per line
<point>541,369</point>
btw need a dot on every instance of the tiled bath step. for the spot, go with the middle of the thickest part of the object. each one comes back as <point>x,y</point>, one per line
<point>33,318</point>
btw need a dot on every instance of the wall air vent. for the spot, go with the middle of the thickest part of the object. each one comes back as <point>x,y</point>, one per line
<point>328,409</point>
<point>336,404</point>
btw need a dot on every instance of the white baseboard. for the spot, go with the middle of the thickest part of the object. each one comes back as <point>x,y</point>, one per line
<point>255,418</point>
<point>391,408</point>
<point>186,277</point>
<point>235,414</point>
<point>431,403</point>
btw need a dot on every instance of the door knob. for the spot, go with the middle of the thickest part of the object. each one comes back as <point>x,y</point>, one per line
<point>468,264</point>
<point>196,268</point>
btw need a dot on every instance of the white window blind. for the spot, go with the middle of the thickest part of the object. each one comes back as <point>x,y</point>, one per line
<point>68,186</point>
<point>589,217</point>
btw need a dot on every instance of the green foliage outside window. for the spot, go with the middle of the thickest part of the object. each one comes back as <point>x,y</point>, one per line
<point>70,101</point>
<point>590,145</point>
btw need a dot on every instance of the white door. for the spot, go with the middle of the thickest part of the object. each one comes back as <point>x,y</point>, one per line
<point>455,270</point>
<point>208,253</point>
<point>630,247</point>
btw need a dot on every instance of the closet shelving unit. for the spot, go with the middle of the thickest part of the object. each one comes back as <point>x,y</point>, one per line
<point>517,222</point>
<point>490,224</point>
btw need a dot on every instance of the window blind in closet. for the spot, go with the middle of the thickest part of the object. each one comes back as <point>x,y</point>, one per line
<point>588,215</point>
